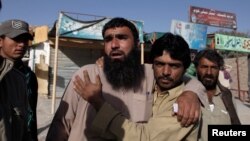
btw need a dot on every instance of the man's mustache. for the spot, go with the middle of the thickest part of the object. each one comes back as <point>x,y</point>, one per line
<point>114,52</point>
<point>208,76</point>
<point>166,78</point>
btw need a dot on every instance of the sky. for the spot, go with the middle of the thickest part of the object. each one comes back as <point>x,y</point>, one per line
<point>156,14</point>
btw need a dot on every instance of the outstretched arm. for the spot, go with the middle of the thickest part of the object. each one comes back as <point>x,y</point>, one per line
<point>189,102</point>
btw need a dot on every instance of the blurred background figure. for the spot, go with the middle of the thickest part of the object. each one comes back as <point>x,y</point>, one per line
<point>225,77</point>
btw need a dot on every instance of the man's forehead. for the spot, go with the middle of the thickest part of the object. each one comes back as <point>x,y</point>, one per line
<point>205,61</point>
<point>117,30</point>
<point>166,58</point>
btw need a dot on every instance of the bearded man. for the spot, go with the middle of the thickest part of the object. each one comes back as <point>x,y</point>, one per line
<point>219,107</point>
<point>126,85</point>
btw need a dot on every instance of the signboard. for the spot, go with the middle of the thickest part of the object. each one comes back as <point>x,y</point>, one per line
<point>41,33</point>
<point>212,17</point>
<point>233,43</point>
<point>194,34</point>
<point>151,37</point>
<point>70,27</point>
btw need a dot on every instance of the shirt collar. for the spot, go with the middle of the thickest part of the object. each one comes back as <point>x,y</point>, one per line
<point>172,93</point>
<point>218,91</point>
<point>5,66</point>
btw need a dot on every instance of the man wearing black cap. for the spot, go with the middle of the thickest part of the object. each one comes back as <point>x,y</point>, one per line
<point>14,38</point>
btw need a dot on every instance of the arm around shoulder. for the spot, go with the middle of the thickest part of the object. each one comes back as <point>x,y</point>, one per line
<point>194,85</point>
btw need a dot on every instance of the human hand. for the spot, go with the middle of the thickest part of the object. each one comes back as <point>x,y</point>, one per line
<point>188,108</point>
<point>99,62</point>
<point>89,91</point>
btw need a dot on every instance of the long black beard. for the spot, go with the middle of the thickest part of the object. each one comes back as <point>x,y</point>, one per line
<point>126,74</point>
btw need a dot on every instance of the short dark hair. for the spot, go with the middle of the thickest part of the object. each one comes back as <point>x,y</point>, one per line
<point>175,45</point>
<point>121,22</point>
<point>210,54</point>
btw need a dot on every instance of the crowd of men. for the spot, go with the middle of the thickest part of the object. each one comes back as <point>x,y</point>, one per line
<point>117,98</point>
